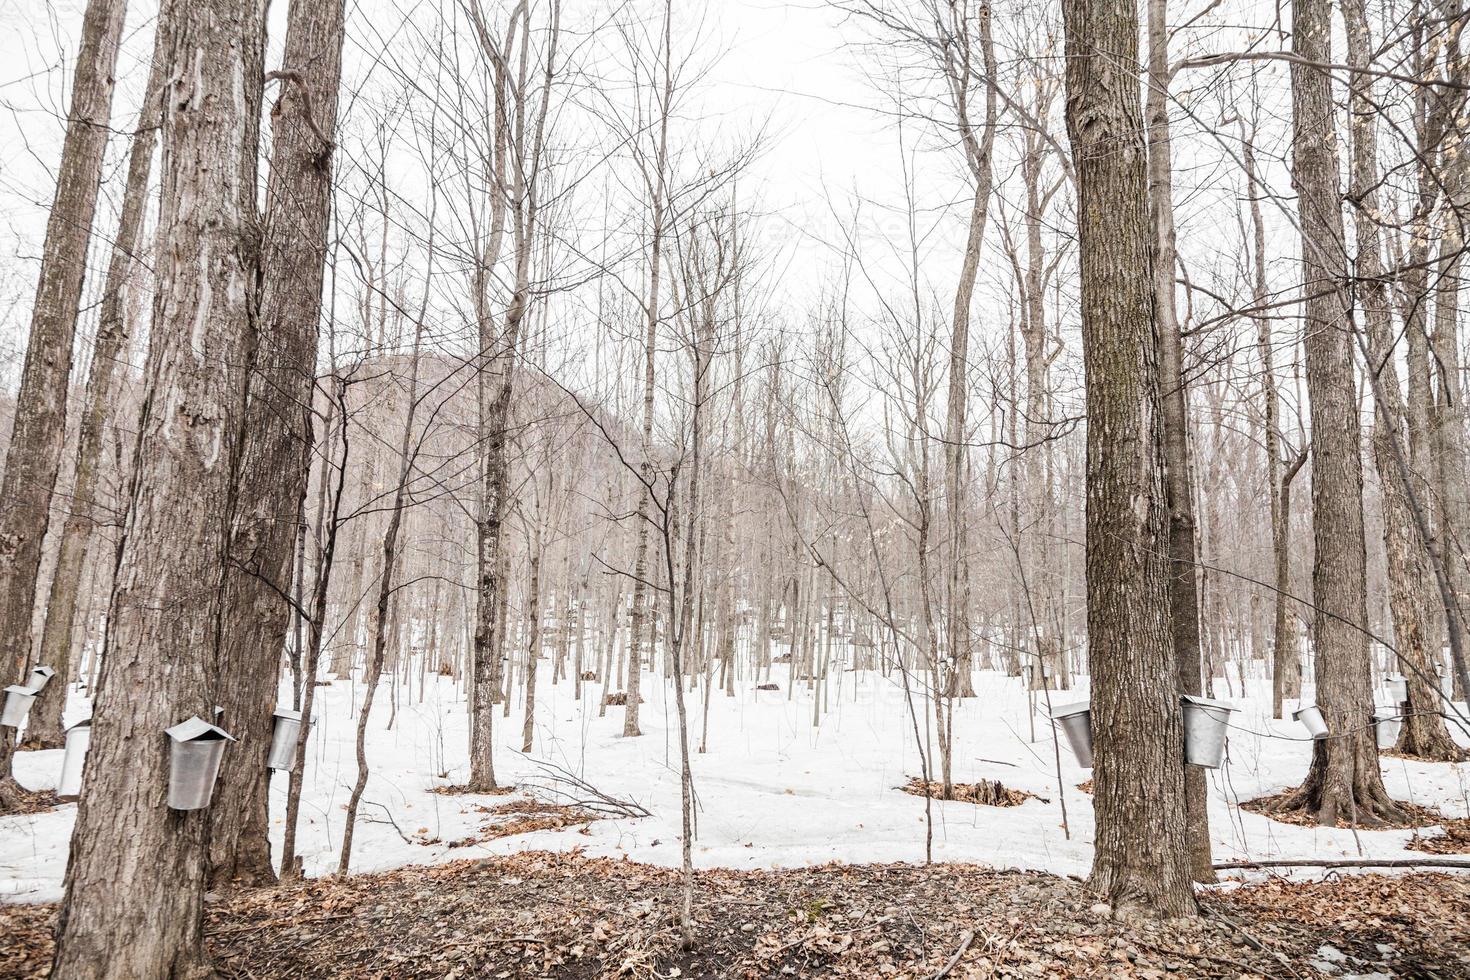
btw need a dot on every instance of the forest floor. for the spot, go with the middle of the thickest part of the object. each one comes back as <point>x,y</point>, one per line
<point>545,914</point>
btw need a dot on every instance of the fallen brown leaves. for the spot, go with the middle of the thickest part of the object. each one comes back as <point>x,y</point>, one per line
<point>1454,840</point>
<point>527,816</point>
<point>558,915</point>
<point>987,792</point>
<point>28,802</point>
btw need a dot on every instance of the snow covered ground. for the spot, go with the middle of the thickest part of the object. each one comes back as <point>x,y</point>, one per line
<point>774,789</point>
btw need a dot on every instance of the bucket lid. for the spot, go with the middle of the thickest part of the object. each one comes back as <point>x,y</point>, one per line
<point>84,723</point>
<point>1067,710</point>
<point>1209,703</point>
<point>21,689</point>
<point>196,728</point>
<point>287,713</point>
<point>43,671</point>
<point>1303,710</point>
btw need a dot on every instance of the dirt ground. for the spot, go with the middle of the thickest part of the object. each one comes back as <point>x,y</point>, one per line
<point>562,915</point>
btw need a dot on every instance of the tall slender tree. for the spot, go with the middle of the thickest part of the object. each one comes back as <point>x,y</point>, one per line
<point>39,433</point>
<point>1344,782</point>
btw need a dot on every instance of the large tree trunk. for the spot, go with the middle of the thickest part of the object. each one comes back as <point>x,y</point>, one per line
<point>1423,732</point>
<point>39,434</point>
<point>1344,782</point>
<point>276,458</point>
<point>1140,859</point>
<point>1178,469</point>
<point>135,883</point>
<point>98,414</point>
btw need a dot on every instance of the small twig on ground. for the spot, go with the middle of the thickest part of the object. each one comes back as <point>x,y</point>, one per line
<point>949,964</point>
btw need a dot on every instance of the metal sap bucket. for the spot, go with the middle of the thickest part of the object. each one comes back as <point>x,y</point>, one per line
<point>195,750</point>
<point>1205,723</point>
<point>39,677</point>
<point>1311,718</point>
<point>1036,673</point>
<point>1386,724</point>
<point>18,701</point>
<point>1076,722</point>
<point>283,739</point>
<point>1398,688</point>
<point>1446,684</point>
<point>78,740</point>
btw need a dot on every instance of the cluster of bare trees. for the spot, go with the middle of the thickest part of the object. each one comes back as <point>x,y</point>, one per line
<point>466,391</point>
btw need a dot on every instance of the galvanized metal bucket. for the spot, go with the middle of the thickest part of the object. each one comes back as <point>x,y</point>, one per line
<point>18,701</point>
<point>1036,673</point>
<point>1398,688</point>
<point>283,739</point>
<point>196,749</point>
<point>1386,725</point>
<point>1076,723</point>
<point>39,677</point>
<point>78,740</point>
<point>1205,724</point>
<point>1446,684</point>
<point>1311,718</point>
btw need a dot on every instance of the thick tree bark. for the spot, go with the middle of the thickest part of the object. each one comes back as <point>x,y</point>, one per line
<point>135,883</point>
<point>1140,858</point>
<point>98,414</point>
<point>1344,783</point>
<point>39,434</point>
<point>276,458</point>
<point>1178,469</point>
<point>1423,732</point>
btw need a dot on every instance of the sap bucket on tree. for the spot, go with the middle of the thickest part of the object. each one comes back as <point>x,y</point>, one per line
<point>195,750</point>
<point>283,739</point>
<point>1446,684</point>
<point>1398,688</point>
<point>1386,725</point>
<point>78,740</point>
<point>1036,674</point>
<point>1076,722</point>
<point>18,701</point>
<point>1311,718</point>
<point>40,676</point>
<point>1205,723</point>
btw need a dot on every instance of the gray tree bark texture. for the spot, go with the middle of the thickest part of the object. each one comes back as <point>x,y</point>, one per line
<point>1178,468</point>
<point>275,458</point>
<point>39,436</point>
<point>1140,858</point>
<point>1344,782</point>
<point>98,414</point>
<point>1423,732</point>
<point>135,881</point>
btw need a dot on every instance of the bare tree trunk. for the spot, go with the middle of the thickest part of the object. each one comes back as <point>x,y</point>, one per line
<point>98,414</point>
<point>135,882</point>
<point>39,434</point>
<point>1141,859</point>
<point>1286,662</point>
<point>956,459</point>
<point>373,671</point>
<point>1423,732</point>
<point>1344,782</point>
<point>276,459</point>
<point>1178,467</point>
